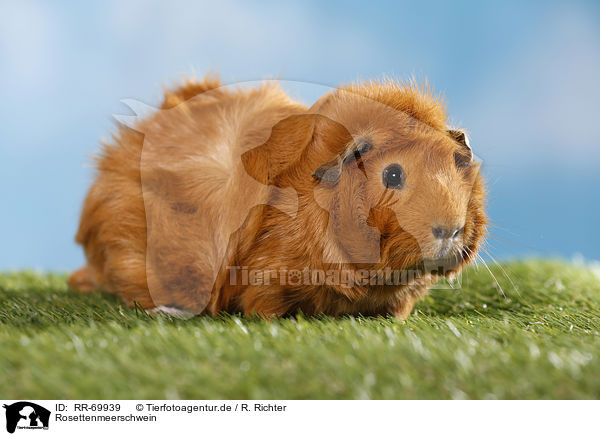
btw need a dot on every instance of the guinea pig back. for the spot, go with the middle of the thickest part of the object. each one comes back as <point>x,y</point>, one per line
<point>246,201</point>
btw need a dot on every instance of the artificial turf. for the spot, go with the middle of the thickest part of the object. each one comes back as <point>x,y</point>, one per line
<point>536,338</point>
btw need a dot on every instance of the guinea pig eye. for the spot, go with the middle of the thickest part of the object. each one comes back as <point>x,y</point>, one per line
<point>393,176</point>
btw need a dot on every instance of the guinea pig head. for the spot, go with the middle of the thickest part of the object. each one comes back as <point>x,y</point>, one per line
<point>406,191</point>
<point>382,179</point>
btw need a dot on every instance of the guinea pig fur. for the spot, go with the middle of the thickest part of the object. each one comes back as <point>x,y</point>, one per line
<point>246,201</point>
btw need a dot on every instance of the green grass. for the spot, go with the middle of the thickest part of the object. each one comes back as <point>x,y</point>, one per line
<point>541,340</point>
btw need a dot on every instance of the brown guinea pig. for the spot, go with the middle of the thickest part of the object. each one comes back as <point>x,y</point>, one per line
<point>246,201</point>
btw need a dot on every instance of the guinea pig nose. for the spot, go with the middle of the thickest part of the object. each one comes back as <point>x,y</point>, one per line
<point>441,232</point>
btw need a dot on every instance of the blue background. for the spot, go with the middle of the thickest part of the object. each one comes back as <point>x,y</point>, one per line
<point>522,77</point>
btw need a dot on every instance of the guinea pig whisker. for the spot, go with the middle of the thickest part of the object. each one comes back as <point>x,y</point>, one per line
<point>496,226</point>
<point>503,270</point>
<point>495,222</point>
<point>492,274</point>
<point>472,257</point>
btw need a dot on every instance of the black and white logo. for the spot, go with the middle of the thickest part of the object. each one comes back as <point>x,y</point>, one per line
<point>26,415</point>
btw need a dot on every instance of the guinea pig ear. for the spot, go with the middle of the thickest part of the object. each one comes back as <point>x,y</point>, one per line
<point>288,139</point>
<point>311,134</point>
<point>461,137</point>
<point>332,171</point>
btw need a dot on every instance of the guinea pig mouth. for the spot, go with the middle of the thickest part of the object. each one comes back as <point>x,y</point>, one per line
<point>442,265</point>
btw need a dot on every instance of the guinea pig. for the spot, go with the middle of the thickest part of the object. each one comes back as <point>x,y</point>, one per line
<point>245,201</point>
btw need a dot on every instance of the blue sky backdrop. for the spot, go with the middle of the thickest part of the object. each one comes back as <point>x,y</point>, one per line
<point>522,77</point>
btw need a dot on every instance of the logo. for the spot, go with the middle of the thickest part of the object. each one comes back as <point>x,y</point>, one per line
<point>26,415</point>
